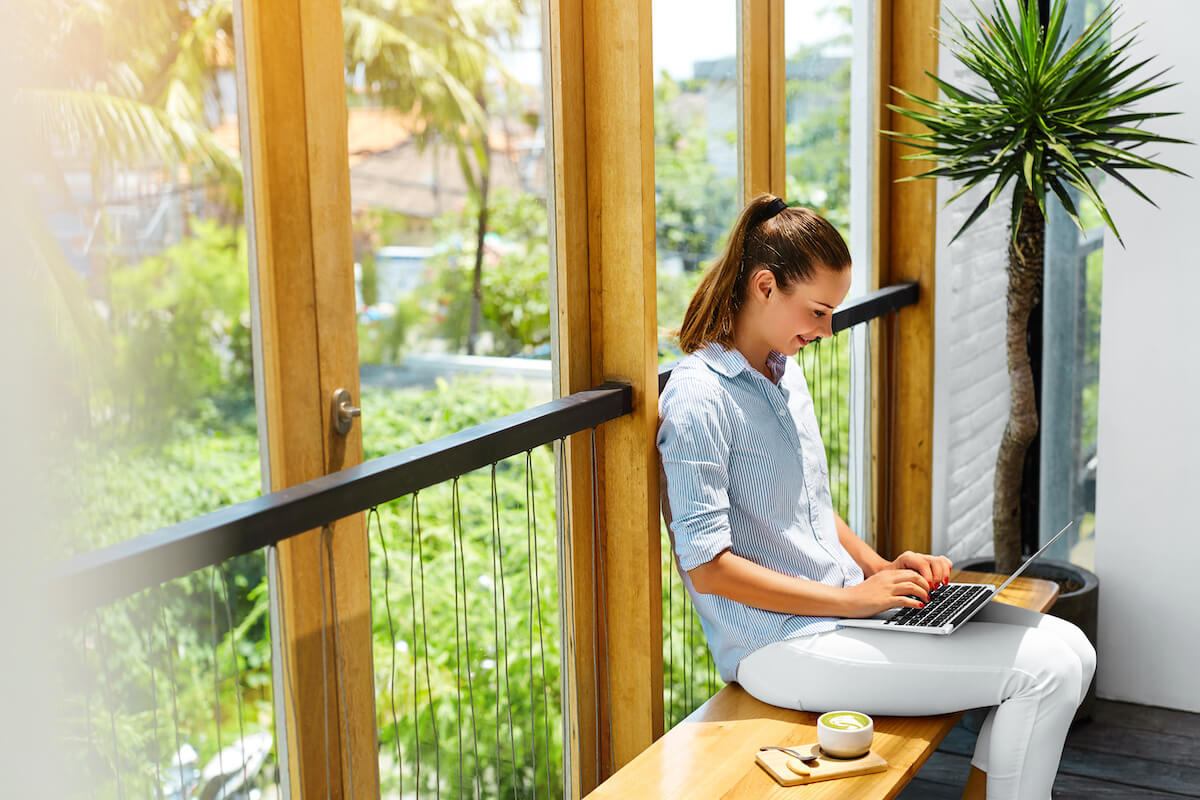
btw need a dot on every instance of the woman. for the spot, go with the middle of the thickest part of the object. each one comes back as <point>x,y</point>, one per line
<point>770,565</point>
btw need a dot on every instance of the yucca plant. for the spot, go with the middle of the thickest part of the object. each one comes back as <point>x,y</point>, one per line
<point>1048,113</point>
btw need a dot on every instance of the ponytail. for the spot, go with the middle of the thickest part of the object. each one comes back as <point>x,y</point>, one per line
<point>791,243</point>
<point>709,315</point>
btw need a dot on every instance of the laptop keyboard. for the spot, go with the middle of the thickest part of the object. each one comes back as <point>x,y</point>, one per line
<point>945,604</point>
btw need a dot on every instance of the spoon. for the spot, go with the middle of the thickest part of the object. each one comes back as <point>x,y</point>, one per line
<point>807,758</point>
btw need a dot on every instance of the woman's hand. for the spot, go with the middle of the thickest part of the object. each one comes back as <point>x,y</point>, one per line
<point>934,569</point>
<point>887,588</point>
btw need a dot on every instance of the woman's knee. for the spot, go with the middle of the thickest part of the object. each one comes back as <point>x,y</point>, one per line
<point>1052,665</point>
<point>1078,642</point>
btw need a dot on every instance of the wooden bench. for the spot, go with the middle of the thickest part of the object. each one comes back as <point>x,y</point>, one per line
<point>710,754</point>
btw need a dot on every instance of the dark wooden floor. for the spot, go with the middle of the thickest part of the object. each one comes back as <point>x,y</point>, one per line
<point>1126,751</point>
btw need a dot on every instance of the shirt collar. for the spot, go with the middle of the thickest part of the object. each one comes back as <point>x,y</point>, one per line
<point>731,363</point>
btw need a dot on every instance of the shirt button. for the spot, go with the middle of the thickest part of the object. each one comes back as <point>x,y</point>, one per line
<point>782,412</point>
<point>799,452</point>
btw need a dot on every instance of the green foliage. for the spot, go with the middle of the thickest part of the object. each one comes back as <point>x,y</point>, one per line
<point>826,367</point>
<point>818,139</point>
<point>125,490</point>
<point>429,55</point>
<point>113,98</point>
<point>694,206</point>
<point>515,307</point>
<point>417,545</point>
<point>385,341</point>
<point>132,490</point>
<point>172,665</point>
<point>1049,111</point>
<point>181,328</point>
<point>674,291</point>
<point>129,94</point>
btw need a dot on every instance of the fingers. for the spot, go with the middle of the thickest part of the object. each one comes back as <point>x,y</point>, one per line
<point>905,601</point>
<point>920,581</point>
<point>934,569</point>
<point>918,563</point>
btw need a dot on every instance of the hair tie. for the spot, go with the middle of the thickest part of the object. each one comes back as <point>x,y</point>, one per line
<point>774,207</point>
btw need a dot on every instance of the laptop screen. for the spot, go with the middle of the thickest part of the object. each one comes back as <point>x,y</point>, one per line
<point>1034,557</point>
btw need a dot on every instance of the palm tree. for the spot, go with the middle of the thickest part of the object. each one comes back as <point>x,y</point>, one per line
<point>1050,113</point>
<point>116,83</point>
<point>435,58</point>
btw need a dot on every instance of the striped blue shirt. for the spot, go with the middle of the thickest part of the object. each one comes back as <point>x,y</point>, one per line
<point>746,471</point>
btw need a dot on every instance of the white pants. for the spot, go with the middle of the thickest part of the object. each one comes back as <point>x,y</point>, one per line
<point>1034,668</point>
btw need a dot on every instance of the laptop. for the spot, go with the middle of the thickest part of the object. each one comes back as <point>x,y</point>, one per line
<point>949,606</point>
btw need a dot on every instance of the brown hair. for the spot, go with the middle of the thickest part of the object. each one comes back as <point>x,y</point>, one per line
<point>792,244</point>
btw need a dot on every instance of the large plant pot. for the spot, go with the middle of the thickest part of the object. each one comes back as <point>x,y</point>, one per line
<point>1077,601</point>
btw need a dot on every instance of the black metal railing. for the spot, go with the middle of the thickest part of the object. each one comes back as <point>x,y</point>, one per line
<point>103,575</point>
<point>158,619</point>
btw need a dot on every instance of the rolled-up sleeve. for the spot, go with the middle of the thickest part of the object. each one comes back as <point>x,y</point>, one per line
<point>694,441</point>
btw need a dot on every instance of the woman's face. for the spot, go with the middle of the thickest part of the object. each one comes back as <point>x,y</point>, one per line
<point>793,317</point>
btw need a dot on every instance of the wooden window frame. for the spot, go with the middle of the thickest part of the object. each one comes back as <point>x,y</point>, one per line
<point>292,108</point>
<point>600,85</point>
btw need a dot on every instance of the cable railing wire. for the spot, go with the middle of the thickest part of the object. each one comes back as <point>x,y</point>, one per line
<point>327,541</point>
<point>216,664</point>
<point>237,678</point>
<point>108,699</point>
<point>324,669</point>
<point>467,634</point>
<point>454,525</point>
<point>387,592</point>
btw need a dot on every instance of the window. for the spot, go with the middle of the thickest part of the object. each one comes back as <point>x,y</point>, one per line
<point>696,190</point>
<point>1071,366</point>
<point>138,198</point>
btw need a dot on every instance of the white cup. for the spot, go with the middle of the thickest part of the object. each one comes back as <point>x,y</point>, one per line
<point>845,734</point>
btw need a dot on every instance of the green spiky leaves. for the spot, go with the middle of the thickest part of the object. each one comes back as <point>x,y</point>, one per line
<point>1049,113</point>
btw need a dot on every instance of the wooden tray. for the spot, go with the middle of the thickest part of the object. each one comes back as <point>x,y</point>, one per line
<point>776,763</point>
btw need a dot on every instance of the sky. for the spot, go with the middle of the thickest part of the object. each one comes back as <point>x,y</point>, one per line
<point>685,31</point>
<point>690,30</point>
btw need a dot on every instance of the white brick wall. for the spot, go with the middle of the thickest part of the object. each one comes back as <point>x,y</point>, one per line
<point>970,377</point>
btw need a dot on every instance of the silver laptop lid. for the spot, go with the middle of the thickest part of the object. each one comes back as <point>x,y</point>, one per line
<point>1034,557</point>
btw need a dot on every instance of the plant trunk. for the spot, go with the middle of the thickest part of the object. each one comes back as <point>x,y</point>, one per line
<point>1026,253</point>
<point>477,282</point>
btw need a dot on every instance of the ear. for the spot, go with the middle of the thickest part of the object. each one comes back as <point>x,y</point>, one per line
<point>762,285</point>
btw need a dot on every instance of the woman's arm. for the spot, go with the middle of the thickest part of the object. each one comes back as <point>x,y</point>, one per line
<point>751,584</point>
<point>862,553</point>
<point>935,570</point>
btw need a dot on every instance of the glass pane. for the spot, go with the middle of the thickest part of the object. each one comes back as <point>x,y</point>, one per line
<point>697,199</point>
<point>817,44</point>
<point>1070,380</point>
<point>695,147</point>
<point>137,201</point>
<point>135,206</point>
<point>449,184</point>
<point>1071,365</point>
<point>828,142</point>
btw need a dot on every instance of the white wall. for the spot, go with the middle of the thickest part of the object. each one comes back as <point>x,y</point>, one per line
<point>970,384</point>
<point>1147,520</point>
